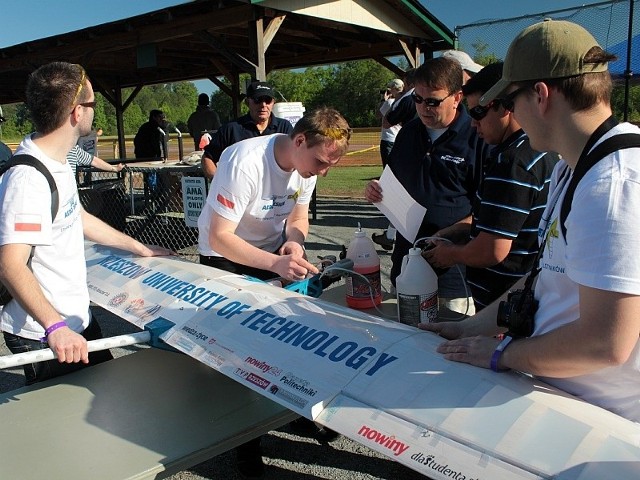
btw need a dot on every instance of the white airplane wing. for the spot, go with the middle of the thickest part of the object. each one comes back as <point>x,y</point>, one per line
<point>379,383</point>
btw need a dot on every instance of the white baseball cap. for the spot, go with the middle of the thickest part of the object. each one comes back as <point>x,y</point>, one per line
<point>465,61</point>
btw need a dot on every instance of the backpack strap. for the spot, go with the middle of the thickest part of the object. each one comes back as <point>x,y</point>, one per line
<point>608,146</point>
<point>31,161</point>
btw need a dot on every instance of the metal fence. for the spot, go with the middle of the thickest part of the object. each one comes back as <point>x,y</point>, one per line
<point>148,203</point>
<point>612,23</point>
<point>158,203</point>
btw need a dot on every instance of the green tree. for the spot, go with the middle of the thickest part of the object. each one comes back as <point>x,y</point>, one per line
<point>354,89</point>
<point>617,102</point>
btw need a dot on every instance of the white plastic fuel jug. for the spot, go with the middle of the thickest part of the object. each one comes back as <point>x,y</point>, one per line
<point>417,290</point>
<point>363,293</point>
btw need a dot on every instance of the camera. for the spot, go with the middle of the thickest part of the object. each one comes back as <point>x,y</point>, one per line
<point>517,313</point>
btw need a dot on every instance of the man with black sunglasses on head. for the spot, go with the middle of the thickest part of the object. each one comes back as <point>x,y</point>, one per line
<point>261,97</point>
<point>586,327</point>
<point>502,233</point>
<point>43,228</point>
<point>437,159</point>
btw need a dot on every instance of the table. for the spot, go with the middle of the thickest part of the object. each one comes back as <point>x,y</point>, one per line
<point>145,415</point>
<point>162,169</point>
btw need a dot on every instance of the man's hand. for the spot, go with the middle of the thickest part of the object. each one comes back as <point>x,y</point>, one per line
<point>69,346</point>
<point>293,267</point>
<point>439,255</point>
<point>156,251</point>
<point>449,330</point>
<point>373,192</point>
<point>473,350</point>
<point>292,248</point>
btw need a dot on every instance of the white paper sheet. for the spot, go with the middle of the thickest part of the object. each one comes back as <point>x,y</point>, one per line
<point>404,213</point>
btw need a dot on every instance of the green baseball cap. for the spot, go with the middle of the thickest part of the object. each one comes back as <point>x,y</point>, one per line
<point>549,49</point>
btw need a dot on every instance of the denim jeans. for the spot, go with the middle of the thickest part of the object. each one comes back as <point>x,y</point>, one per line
<point>38,372</point>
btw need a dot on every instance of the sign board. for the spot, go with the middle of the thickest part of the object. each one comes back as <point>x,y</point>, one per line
<point>194,194</point>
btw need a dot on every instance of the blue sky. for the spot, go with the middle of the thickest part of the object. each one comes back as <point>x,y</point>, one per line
<point>26,20</point>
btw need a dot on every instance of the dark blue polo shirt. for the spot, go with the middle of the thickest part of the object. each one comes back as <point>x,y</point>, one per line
<point>402,111</point>
<point>442,176</point>
<point>241,129</point>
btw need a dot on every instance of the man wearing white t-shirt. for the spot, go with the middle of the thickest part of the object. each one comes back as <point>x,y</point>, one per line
<point>256,217</point>
<point>388,133</point>
<point>42,259</point>
<point>586,327</point>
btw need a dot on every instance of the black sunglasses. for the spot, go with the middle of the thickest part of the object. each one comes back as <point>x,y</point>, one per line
<point>263,99</point>
<point>429,102</point>
<point>508,102</point>
<point>86,105</point>
<point>479,112</point>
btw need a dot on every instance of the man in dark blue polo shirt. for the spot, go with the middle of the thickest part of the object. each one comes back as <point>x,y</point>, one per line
<point>437,158</point>
<point>259,121</point>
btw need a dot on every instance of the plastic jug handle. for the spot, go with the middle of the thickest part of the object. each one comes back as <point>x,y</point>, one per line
<point>405,260</point>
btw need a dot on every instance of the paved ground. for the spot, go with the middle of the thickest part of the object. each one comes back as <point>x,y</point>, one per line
<point>290,456</point>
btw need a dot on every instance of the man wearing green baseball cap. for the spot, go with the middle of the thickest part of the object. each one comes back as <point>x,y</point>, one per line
<point>578,328</point>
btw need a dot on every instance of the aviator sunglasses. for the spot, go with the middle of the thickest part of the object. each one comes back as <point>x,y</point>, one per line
<point>429,102</point>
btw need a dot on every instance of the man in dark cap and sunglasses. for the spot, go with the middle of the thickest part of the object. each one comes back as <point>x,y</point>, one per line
<point>502,240</point>
<point>260,121</point>
<point>437,158</point>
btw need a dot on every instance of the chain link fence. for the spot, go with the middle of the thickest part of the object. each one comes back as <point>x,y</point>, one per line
<point>153,202</point>
<point>609,22</point>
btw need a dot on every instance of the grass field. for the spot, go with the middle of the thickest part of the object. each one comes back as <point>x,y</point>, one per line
<point>347,181</point>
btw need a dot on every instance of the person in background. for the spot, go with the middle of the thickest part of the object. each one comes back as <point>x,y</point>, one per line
<point>5,151</point>
<point>585,321</point>
<point>256,217</point>
<point>203,120</point>
<point>437,158</point>
<point>151,140</point>
<point>469,67</point>
<point>402,110</point>
<point>501,237</point>
<point>393,91</point>
<point>260,121</point>
<point>89,143</point>
<point>78,156</point>
<point>42,260</point>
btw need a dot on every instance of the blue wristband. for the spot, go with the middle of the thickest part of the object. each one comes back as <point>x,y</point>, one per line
<point>495,358</point>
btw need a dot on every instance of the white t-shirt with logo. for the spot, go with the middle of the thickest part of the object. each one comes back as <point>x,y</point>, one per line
<point>603,231</point>
<point>388,134</point>
<point>250,189</point>
<point>58,261</point>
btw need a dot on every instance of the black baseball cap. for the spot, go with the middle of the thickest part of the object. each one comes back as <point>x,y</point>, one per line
<point>260,89</point>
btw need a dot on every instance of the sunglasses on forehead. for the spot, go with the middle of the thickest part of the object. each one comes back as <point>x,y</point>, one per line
<point>429,101</point>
